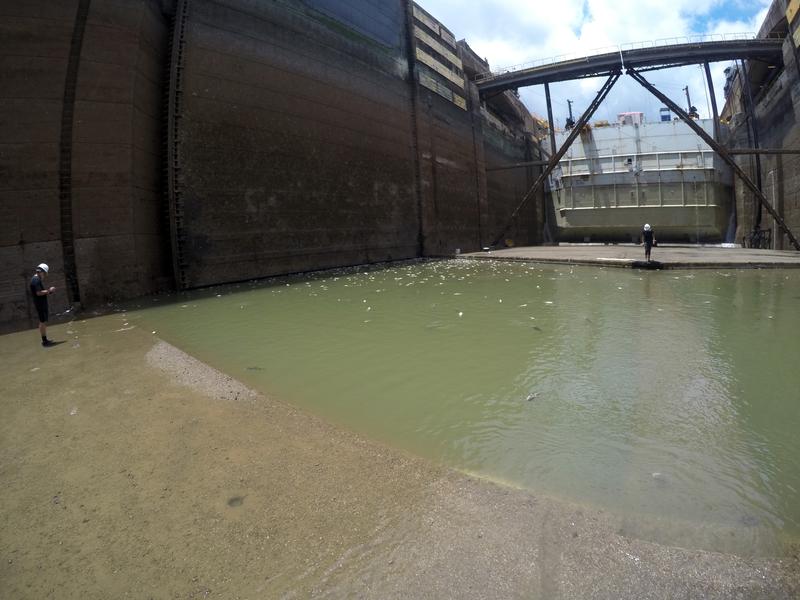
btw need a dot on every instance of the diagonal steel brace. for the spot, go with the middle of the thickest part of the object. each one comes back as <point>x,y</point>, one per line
<point>719,149</point>
<point>557,156</point>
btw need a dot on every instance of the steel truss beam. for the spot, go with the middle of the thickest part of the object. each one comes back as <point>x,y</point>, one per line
<point>658,57</point>
<point>582,122</point>
<point>719,149</point>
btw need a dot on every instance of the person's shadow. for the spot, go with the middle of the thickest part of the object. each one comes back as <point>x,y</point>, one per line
<point>55,343</point>
<point>643,264</point>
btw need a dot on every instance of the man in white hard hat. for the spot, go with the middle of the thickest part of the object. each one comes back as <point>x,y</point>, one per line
<point>40,294</point>
<point>648,239</point>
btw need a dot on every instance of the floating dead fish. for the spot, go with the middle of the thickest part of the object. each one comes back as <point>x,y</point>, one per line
<point>537,328</point>
<point>533,396</point>
<point>660,479</point>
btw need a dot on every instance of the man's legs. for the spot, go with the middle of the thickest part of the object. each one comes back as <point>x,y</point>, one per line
<point>43,317</point>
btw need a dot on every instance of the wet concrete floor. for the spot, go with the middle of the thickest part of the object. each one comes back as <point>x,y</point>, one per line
<point>666,256</point>
<point>131,470</point>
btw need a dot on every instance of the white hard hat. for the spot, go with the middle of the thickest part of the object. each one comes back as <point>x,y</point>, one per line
<point>43,267</point>
<point>647,226</point>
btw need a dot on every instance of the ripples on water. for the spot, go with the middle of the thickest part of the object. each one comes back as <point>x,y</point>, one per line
<point>663,396</point>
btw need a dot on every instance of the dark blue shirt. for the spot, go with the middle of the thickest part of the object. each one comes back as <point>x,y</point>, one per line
<point>38,286</point>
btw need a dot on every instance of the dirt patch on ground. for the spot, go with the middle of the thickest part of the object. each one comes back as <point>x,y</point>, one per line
<point>130,469</point>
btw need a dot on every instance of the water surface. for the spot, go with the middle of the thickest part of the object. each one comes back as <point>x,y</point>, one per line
<point>669,398</point>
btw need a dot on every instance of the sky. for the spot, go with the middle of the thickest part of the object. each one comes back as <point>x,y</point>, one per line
<point>513,32</point>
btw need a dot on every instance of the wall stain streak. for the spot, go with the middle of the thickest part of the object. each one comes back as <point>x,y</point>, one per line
<point>65,153</point>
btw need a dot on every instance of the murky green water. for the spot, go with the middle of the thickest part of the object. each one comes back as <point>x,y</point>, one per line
<point>671,398</point>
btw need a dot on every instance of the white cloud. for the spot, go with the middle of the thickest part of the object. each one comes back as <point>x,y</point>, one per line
<point>513,32</point>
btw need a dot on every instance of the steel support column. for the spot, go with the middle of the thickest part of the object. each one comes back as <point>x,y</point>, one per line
<point>719,149</point>
<point>551,164</point>
<point>713,100</point>
<point>550,119</point>
<point>751,118</point>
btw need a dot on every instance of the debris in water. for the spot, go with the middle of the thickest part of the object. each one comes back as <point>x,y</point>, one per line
<point>73,411</point>
<point>537,328</point>
<point>533,396</point>
<point>460,314</point>
<point>749,521</point>
<point>34,369</point>
<point>255,368</point>
<point>548,302</point>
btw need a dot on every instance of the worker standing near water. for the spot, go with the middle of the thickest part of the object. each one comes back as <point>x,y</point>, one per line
<point>40,294</point>
<point>648,239</point>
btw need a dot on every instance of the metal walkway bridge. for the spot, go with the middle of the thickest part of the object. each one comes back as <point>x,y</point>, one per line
<point>644,58</point>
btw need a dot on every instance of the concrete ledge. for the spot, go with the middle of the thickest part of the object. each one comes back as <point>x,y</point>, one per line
<point>632,255</point>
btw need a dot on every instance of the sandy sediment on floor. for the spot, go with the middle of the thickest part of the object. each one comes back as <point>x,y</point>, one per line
<point>131,469</point>
<point>196,375</point>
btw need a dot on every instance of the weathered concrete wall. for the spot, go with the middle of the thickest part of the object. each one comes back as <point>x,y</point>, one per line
<point>504,137</point>
<point>449,167</point>
<point>295,139</point>
<point>34,47</point>
<point>120,234</point>
<point>306,136</point>
<point>508,186</point>
<point>777,119</point>
<point>98,188</point>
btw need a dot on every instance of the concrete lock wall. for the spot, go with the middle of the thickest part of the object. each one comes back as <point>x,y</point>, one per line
<point>777,119</point>
<point>267,138</point>
<point>34,52</point>
<point>117,192</point>
<point>295,139</point>
<point>81,151</point>
<point>507,187</point>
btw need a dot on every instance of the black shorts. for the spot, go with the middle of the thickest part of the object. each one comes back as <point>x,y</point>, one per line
<point>43,311</point>
<point>647,246</point>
